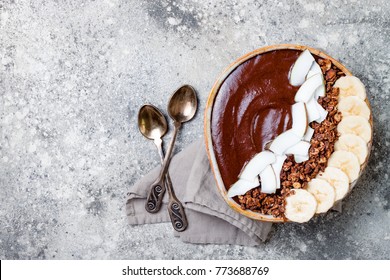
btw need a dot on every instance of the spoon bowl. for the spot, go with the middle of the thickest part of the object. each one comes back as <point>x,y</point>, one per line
<point>151,122</point>
<point>183,103</point>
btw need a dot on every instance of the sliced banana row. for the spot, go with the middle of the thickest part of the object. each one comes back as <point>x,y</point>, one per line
<point>354,129</point>
<point>351,150</point>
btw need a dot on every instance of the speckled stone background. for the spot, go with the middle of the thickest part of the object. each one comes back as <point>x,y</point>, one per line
<point>73,75</point>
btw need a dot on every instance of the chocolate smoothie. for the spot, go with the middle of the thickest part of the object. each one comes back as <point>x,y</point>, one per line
<point>252,107</point>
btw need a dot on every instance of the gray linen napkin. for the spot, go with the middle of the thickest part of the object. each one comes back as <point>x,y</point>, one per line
<point>210,219</point>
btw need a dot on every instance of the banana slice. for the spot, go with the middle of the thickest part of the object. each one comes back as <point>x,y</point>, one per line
<point>353,106</point>
<point>323,192</point>
<point>347,162</point>
<point>350,86</point>
<point>300,206</point>
<point>355,125</point>
<point>352,143</point>
<point>337,179</point>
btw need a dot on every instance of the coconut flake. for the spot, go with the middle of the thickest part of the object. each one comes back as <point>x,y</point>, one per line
<point>253,168</point>
<point>277,167</point>
<point>299,118</point>
<point>314,69</point>
<point>309,134</point>
<point>300,159</point>
<point>242,186</point>
<point>312,110</point>
<point>308,88</point>
<point>284,141</point>
<point>301,148</point>
<point>268,180</point>
<point>300,68</point>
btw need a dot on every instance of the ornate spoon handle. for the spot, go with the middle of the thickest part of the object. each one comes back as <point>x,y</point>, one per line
<point>155,197</point>
<point>175,209</point>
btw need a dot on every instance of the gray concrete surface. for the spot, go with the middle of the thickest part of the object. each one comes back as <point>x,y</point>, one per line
<point>73,75</point>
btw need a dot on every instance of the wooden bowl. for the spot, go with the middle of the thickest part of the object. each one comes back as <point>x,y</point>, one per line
<point>207,123</point>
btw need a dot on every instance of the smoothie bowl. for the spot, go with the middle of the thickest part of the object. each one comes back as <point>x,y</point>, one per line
<point>288,131</point>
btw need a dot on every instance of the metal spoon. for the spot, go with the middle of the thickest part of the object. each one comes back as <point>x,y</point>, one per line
<point>181,108</point>
<point>152,124</point>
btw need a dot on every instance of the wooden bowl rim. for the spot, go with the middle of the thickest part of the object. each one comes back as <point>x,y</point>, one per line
<point>207,123</point>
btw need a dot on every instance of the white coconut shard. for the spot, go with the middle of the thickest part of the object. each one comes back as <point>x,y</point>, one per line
<point>312,110</point>
<point>242,186</point>
<point>308,135</point>
<point>277,167</point>
<point>268,180</point>
<point>300,68</point>
<point>301,148</point>
<point>308,88</point>
<point>253,168</point>
<point>314,69</point>
<point>323,113</point>
<point>300,159</point>
<point>320,91</point>
<point>284,141</point>
<point>299,118</point>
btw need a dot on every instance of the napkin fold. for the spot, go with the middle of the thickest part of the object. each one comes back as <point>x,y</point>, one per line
<point>210,219</point>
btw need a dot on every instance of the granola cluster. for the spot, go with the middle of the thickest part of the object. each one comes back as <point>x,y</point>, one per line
<point>297,175</point>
